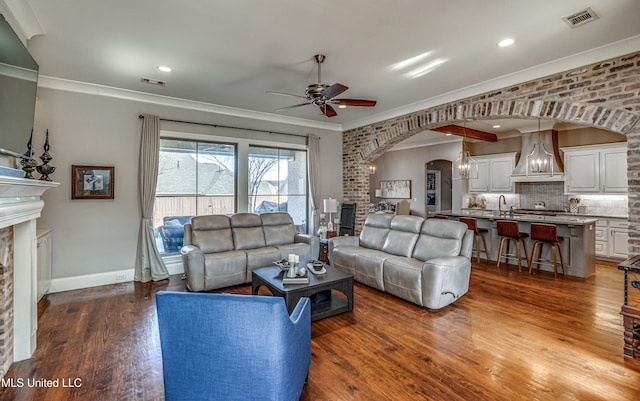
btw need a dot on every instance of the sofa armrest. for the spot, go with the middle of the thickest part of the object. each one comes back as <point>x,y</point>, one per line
<point>311,240</point>
<point>193,263</point>
<point>444,280</point>
<point>341,241</point>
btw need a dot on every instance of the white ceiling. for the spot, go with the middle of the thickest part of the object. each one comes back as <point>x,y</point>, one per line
<point>230,53</point>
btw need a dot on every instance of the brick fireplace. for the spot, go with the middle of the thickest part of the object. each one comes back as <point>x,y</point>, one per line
<point>20,206</point>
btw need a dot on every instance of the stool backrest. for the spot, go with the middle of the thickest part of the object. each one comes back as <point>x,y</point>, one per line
<point>470,222</point>
<point>508,228</point>
<point>544,232</point>
<point>437,216</point>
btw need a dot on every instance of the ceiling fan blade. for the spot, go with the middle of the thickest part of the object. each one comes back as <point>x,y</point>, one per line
<point>293,107</point>
<point>285,94</point>
<point>334,90</point>
<point>327,110</point>
<point>354,102</point>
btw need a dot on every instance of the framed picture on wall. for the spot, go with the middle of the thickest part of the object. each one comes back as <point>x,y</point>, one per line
<point>396,189</point>
<point>92,182</point>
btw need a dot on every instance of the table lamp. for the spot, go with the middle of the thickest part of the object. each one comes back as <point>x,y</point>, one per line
<point>330,206</point>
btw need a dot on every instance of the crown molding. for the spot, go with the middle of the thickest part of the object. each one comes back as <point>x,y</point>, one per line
<point>612,50</point>
<point>22,19</point>
<point>48,82</point>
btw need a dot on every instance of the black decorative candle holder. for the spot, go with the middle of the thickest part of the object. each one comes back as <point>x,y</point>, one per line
<point>29,163</point>
<point>45,169</point>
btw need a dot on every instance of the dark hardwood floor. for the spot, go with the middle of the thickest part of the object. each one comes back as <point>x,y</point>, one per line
<point>514,336</point>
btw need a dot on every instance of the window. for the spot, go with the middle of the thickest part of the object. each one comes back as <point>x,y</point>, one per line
<point>194,178</point>
<point>278,182</point>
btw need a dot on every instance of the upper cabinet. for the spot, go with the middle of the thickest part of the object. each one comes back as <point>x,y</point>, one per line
<point>494,173</point>
<point>596,169</point>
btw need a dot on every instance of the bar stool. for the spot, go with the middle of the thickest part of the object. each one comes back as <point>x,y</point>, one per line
<point>546,234</point>
<point>508,230</point>
<point>472,224</point>
<point>439,216</point>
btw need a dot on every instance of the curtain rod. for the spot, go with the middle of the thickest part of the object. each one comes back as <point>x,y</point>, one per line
<point>227,126</point>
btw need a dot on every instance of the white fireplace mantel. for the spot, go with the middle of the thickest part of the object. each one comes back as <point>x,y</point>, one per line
<point>20,206</point>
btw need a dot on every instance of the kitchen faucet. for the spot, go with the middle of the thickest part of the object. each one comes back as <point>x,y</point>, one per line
<point>504,202</point>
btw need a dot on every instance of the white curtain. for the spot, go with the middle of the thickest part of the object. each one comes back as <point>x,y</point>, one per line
<point>149,263</point>
<point>314,181</point>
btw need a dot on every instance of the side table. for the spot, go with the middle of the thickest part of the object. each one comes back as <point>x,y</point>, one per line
<point>324,247</point>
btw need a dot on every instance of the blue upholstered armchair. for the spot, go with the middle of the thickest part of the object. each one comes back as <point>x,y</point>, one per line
<point>233,347</point>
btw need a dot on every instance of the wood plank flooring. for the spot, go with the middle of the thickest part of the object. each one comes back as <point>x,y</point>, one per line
<point>514,336</point>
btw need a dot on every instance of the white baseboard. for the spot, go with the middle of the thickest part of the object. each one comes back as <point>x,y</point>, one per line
<point>173,263</point>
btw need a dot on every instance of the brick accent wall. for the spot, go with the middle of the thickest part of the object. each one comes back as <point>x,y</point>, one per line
<point>603,95</point>
<point>6,299</point>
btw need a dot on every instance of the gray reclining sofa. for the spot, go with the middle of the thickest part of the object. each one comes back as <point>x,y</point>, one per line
<point>426,262</point>
<point>220,250</point>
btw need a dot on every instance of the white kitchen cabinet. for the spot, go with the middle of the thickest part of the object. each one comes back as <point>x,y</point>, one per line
<point>494,173</point>
<point>618,238</point>
<point>595,169</point>
<point>612,237</point>
<point>43,241</point>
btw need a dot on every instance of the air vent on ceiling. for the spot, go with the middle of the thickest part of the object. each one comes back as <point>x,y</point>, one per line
<point>152,81</point>
<point>582,17</point>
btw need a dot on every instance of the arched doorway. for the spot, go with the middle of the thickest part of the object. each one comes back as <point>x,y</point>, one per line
<point>438,186</point>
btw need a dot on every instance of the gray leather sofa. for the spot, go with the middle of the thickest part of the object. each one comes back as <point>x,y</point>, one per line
<point>220,250</point>
<point>426,262</point>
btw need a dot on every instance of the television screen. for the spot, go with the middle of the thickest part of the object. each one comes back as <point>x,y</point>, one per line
<point>18,86</point>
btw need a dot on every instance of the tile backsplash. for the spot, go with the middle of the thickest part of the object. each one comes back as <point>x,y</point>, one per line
<point>552,194</point>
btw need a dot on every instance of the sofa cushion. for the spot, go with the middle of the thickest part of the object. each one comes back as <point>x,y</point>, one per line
<point>278,228</point>
<point>247,231</point>
<point>375,230</point>
<point>300,248</point>
<point>261,257</point>
<point>403,235</point>
<point>369,264</point>
<point>224,269</point>
<point>439,238</point>
<point>403,278</point>
<point>211,233</point>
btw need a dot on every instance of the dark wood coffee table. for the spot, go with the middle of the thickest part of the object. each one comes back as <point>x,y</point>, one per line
<point>323,302</point>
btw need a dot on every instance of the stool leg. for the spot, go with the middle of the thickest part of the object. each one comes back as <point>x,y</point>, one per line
<point>526,252</point>
<point>486,250</point>
<point>533,256</point>
<point>564,269</point>
<point>477,248</point>
<point>555,264</point>
<point>500,251</point>
<point>518,255</point>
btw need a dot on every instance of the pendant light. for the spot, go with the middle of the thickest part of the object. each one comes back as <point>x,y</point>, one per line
<point>539,160</point>
<point>465,166</point>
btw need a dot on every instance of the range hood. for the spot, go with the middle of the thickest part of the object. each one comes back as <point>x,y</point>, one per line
<point>549,138</point>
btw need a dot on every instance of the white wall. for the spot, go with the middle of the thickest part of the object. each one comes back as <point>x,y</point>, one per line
<point>94,241</point>
<point>409,164</point>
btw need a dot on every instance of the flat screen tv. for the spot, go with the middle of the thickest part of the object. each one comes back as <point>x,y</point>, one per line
<point>18,86</point>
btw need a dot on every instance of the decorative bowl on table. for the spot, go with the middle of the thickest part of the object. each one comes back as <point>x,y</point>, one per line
<point>283,264</point>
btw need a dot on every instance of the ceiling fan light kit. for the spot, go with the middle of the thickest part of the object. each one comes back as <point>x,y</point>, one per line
<point>322,95</point>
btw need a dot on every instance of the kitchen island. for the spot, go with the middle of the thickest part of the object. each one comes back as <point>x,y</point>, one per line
<point>578,246</point>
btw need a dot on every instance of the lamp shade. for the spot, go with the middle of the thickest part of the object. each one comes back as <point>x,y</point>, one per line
<point>330,205</point>
<point>378,193</point>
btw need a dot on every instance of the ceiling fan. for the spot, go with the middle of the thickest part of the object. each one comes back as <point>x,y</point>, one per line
<point>323,95</point>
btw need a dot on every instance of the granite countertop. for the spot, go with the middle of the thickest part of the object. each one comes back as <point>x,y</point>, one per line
<point>586,215</point>
<point>570,219</point>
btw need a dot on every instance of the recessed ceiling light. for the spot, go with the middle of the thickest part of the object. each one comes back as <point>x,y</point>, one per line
<point>164,68</point>
<point>506,42</point>
<point>496,126</point>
